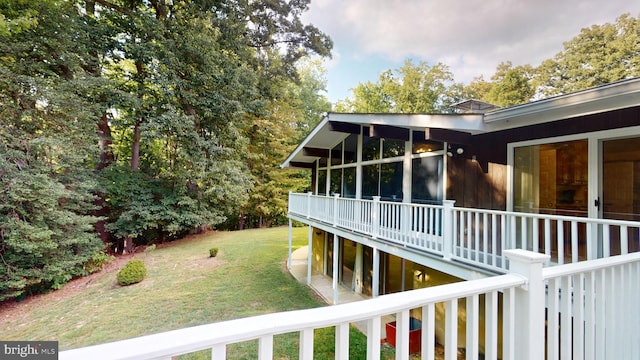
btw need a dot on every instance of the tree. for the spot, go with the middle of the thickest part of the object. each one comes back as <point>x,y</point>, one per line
<point>410,89</point>
<point>599,55</point>
<point>47,146</point>
<point>511,85</point>
<point>307,96</point>
<point>195,73</point>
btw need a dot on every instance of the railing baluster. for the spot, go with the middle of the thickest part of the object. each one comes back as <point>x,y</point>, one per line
<point>524,234</point>
<point>560,241</point>
<point>553,323</point>
<point>547,236</point>
<point>508,325</point>
<point>494,235</point>
<point>606,240</point>
<point>578,316</point>
<point>472,334</point>
<point>402,334</point>
<point>566,317</point>
<point>451,330</point>
<point>574,241</point>
<point>476,240</point>
<point>491,325</point>
<point>624,240</point>
<point>485,238</point>
<point>428,331</point>
<point>535,236</point>
<point>373,338</point>
<point>265,347</point>
<point>306,344</point>
<point>342,341</point>
<point>219,352</point>
<point>590,316</point>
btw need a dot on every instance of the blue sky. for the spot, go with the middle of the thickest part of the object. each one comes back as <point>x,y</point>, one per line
<point>470,36</point>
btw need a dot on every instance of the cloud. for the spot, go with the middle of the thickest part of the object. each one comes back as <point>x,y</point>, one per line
<point>470,36</point>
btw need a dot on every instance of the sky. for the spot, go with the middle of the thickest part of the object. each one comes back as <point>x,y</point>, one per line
<point>471,37</point>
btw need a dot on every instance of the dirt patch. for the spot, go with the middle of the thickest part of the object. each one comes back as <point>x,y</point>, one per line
<point>11,309</point>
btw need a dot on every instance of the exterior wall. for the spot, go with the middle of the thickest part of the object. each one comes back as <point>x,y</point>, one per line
<point>470,186</point>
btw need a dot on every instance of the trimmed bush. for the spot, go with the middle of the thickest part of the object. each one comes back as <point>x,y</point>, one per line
<point>133,272</point>
<point>213,252</point>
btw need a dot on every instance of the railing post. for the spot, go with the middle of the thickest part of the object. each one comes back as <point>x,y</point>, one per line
<point>529,302</point>
<point>309,204</point>
<point>448,237</point>
<point>335,209</point>
<point>375,217</point>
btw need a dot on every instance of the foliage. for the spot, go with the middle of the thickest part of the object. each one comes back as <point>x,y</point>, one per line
<point>511,85</point>
<point>133,272</point>
<point>127,119</point>
<point>599,55</point>
<point>97,261</point>
<point>47,101</point>
<point>413,88</point>
<point>213,252</point>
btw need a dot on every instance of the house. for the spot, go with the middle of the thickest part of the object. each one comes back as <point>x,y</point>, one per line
<point>527,218</point>
<point>406,201</point>
<point>573,158</point>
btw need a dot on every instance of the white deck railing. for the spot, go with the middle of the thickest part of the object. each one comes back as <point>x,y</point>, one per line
<point>474,236</point>
<point>597,298</point>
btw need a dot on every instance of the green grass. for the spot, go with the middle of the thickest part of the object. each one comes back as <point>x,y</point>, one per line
<point>184,287</point>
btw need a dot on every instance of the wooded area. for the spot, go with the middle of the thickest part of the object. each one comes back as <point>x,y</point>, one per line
<point>130,122</point>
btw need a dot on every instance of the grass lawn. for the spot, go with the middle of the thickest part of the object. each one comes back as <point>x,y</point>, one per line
<point>184,287</point>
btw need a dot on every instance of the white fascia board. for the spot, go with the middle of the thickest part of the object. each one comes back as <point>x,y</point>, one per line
<point>298,149</point>
<point>472,123</point>
<point>605,98</point>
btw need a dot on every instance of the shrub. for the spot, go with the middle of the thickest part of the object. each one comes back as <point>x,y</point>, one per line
<point>133,272</point>
<point>213,252</point>
<point>97,262</point>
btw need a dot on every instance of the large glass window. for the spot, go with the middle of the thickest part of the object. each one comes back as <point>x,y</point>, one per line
<point>370,175</point>
<point>349,182</point>
<point>322,182</point>
<point>392,148</point>
<point>391,181</point>
<point>336,181</point>
<point>336,155</point>
<point>551,178</point>
<point>351,149</point>
<point>426,179</point>
<point>370,148</point>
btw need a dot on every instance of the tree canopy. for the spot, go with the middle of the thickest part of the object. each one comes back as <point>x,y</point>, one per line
<point>129,122</point>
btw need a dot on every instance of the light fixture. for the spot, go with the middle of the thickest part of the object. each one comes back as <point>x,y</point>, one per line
<point>460,151</point>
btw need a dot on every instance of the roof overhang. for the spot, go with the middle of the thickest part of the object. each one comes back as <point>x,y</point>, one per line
<point>605,98</point>
<point>335,127</point>
<point>458,128</point>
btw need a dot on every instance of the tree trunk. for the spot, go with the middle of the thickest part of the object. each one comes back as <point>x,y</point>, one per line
<point>135,148</point>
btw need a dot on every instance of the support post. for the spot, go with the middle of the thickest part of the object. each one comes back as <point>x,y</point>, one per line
<point>448,236</point>
<point>530,300</point>
<point>309,254</point>
<point>336,274</point>
<point>358,270</point>
<point>375,281</point>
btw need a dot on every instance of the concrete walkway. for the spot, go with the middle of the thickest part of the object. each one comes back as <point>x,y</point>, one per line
<point>320,283</point>
<point>323,286</point>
